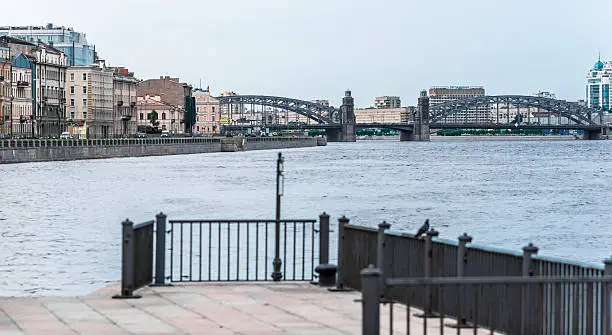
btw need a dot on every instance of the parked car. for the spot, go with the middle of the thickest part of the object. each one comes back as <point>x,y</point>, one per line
<point>65,136</point>
<point>165,133</point>
<point>141,135</point>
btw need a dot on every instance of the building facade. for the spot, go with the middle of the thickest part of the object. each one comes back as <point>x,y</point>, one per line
<point>387,102</point>
<point>72,43</point>
<point>598,85</point>
<point>5,90</point>
<point>22,101</point>
<point>153,112</point>
<point>208,114</point>
<point>125,121</point>
<point>89,94</point>
<point>442,94</point>
<point>175,94</point>
<point>380,115</point>
<point>50,77</point>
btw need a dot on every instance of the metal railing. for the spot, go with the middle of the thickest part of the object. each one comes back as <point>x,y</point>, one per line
<point>44,143</point>
<point>512,305</point>
<point>240,250</point>
<point>136,257</point>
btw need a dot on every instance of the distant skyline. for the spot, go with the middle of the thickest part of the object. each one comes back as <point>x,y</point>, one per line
<point>317,49</point>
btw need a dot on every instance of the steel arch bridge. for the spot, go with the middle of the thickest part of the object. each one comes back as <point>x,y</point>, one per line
<point>446,113</point>
<point>314,111</point>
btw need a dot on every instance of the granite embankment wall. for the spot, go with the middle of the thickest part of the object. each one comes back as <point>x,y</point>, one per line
<point>22,151</point>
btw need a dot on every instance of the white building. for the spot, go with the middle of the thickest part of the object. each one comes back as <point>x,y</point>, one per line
<point>442,94</point>
<point>89,95</point>
<point>387,102</point>
<point>598,85</point>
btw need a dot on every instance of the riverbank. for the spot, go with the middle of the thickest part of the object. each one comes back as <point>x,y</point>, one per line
<point>25,151</point>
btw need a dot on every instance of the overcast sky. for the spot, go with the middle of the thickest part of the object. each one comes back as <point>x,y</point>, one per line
<point>318,48</point>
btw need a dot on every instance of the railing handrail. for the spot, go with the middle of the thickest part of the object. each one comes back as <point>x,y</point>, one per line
<point>598,267</point>
<point>244,221</point>
<point>496,280</point>
<point>143,224</point>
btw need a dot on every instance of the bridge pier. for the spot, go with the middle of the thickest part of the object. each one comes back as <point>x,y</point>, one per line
<point>421,122</point>
<point>346,131</point>
<point>591,135</point>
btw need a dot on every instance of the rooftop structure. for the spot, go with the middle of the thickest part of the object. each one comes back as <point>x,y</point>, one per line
<point>72,43</point>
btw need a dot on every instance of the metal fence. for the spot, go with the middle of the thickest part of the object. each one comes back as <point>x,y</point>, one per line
<point>512,305</point>
<point>241,250</point>
<point>51,143</point>
<point>136,257</point>
<point>405,256</point>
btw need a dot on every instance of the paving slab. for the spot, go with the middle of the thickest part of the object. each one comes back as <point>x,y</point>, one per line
<point>215,308</point>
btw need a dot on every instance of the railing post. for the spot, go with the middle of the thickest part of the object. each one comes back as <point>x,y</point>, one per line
<point>127,260</point>
<point>606,313</point>
<point>428,313</point>
<point>370,301</point>
<point>326,271</point>
<point>277,275</point>
<point>461,263</point>
<point>160,249</point>
<point>341,223</point>
<point>380,252</point>
<point>528,271</point>
<point>324,238</point>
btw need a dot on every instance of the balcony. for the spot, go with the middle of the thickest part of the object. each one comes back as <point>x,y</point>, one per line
<point>21,83</point>
<point>126,117</point>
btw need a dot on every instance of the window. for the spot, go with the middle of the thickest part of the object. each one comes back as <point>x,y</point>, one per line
<point>71,89</point>
<point>84,115</point>
<point>72,115</point>
<point>163,116</point>
<point>84,76</point>
<point>72,102</point>
<point>141,116</point>
<point>84,89</point>
<point>72,77</point>
<point>84,102</point>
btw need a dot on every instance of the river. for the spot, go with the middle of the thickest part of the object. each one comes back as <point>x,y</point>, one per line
<point>61,227</point>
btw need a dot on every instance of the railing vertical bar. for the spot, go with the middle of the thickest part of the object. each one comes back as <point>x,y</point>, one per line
<point>589,306</point>
<point>391,317</point>
<point>256,251</point>
<point>181,254</point>
<point>284,250</point>
<point>209,249</point>
<point>238,251</point>
<point>408,314</point>
<point>229,256</point>
<point>171,251</point>
<point>200,248</point>
<point>248,237</point>
<point>266,254</point>
<point>190,250</point>
<point>477,296</point>
<point>558,313</point>
<point>294,248</point>
<point>304,250</point>
<point>563,301</point>
<point>219,250</point>
<point>441,307</point>
<point>491,320</point>
<point>312,253</point>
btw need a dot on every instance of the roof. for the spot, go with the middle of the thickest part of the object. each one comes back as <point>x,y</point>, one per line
<point>13,40</point>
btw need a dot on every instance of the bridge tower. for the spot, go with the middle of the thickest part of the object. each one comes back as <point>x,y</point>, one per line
<point>346,132</point>
<point>421,121</point>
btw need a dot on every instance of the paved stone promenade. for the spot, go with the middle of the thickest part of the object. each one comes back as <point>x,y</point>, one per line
<point>229,308</point>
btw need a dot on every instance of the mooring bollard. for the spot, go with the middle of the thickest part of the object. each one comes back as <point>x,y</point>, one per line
<point>370,300</point>
<point>160,249</point>
<point>326,271</point>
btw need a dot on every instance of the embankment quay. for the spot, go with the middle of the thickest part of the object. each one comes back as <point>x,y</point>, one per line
<point>23,151</point>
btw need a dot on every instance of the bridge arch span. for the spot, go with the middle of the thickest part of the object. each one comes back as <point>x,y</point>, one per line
<point>317,112</point>
<point>579,114</point>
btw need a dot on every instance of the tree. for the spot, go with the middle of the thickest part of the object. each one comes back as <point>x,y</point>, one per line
<point>153,116</point>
